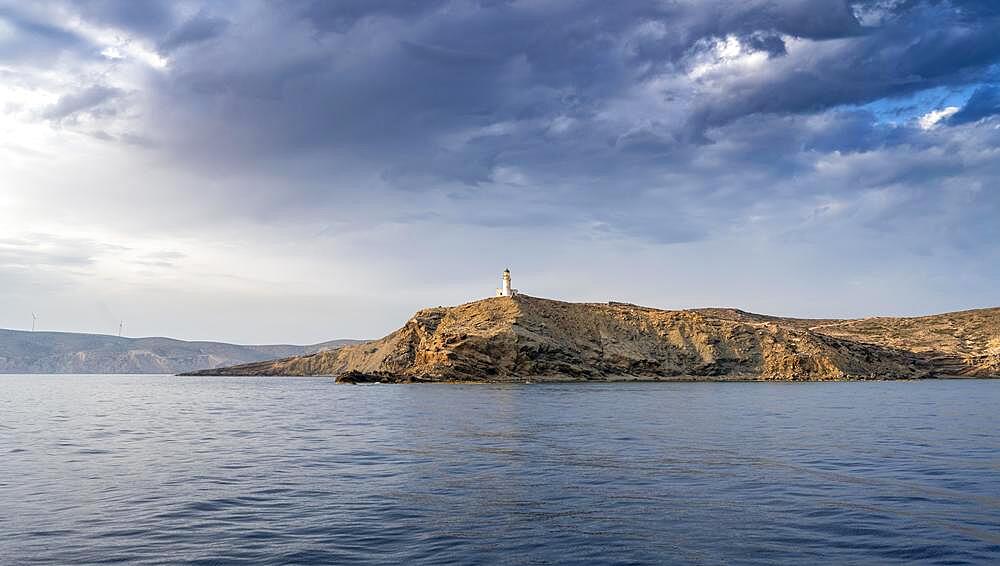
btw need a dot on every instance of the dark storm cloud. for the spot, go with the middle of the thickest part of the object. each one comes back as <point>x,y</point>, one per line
<point>970,9</point>
<point>340,16</point>
<point>389,72</point>
<point>144,17</point>
<point>984,102</point>
<point>926,46</point>
<point>667,121</point>
<point>391,76</point>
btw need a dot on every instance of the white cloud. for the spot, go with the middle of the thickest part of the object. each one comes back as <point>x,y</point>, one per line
<point>726,56</point>
<point>251,217</point>
<point>116,44</point>
<point>932,118</point>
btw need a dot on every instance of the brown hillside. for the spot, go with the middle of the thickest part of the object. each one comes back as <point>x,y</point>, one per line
<point>959,343</point>
<point>526,338</point>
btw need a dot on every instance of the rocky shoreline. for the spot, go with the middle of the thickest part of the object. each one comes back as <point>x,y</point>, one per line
<point>521,338</point>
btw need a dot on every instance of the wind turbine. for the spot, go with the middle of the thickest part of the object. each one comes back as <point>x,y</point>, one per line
<point>121,328</point>
<point>34,320</point>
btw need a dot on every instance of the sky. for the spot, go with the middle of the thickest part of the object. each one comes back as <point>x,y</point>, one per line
<point>298,171</point>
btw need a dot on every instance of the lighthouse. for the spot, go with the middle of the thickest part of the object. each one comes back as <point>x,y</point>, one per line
<point>505,290</point>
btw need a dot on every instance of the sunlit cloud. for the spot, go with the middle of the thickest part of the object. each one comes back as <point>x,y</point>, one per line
<point>932,118</point>
<point>320,169</point>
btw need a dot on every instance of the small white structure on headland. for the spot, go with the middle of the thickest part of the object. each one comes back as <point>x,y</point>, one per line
<point>506,290</point>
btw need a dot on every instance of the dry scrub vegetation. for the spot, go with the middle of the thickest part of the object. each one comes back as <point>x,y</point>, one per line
<point>527,338</point>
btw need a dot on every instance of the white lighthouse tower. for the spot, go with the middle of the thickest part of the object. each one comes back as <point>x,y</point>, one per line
<point>505,290</point>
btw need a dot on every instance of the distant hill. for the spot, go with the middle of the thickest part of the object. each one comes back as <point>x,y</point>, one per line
<point>526,338</point>
<point>68,352</point>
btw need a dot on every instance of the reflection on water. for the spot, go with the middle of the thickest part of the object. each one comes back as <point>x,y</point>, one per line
<point>265,470</point>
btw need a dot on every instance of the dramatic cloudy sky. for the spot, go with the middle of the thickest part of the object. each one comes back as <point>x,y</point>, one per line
<point>295,171</point>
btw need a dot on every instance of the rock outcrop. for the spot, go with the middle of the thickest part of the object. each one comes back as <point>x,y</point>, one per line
<point>526,338</point>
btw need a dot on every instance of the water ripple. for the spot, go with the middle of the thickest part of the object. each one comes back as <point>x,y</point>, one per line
<point>164,470</point>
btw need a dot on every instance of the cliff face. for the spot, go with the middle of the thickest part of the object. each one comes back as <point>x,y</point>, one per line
<point>525,338</point>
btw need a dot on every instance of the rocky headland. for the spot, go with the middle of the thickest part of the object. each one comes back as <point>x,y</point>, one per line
<point>522,338</point>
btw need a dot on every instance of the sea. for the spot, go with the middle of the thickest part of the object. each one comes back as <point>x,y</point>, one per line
<point>99,469</point>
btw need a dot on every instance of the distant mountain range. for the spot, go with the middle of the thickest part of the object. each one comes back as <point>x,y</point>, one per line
<point>69,352</point>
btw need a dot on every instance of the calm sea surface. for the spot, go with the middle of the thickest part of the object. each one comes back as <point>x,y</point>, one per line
<point>170,470</point>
